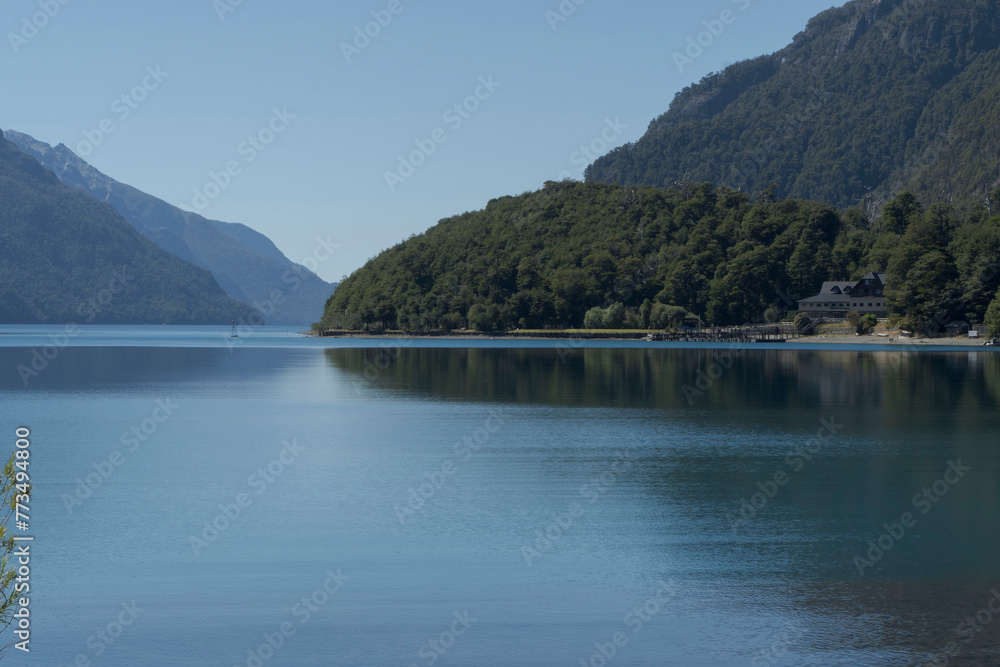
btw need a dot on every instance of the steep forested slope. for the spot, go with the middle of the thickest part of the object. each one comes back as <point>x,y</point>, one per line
<point>66,257</point>
<point>245,263</point>
<point>872,98</point>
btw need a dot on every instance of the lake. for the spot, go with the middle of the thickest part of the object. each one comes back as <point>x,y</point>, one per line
<point>281,500</point>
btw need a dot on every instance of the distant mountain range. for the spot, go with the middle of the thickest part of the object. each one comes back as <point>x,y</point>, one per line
<point>67,258</point>
<point>245,263</point>
<point>871,99</point>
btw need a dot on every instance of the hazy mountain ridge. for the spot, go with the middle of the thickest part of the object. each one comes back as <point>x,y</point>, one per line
<point>872,98</point>
<point>70,258</point>
<point>247,265</point>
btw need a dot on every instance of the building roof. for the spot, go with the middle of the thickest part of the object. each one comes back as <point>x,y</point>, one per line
<point>833,291</point>
<point>837,288</point>
<point>840,290</point>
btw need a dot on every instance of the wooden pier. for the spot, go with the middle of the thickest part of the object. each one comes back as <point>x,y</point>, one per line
<point>744,334</point>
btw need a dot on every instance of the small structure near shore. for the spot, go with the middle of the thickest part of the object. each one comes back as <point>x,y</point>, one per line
<point>836,299</point>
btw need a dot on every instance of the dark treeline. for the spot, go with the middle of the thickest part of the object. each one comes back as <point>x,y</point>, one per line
<point>544,259</point>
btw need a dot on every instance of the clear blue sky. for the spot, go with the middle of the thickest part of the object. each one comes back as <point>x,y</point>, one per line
<point>223,73</point>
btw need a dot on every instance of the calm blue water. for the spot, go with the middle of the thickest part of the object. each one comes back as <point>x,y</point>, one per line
<point>522,503</point>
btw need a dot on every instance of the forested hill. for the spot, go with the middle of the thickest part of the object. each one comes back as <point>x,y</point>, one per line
<point>545,259</point>
<point>871,99</point>
<point>67,257</point>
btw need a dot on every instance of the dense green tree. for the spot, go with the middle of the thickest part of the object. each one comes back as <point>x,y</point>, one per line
<point>731,299</point>
<point>615,316</point>
<point>485,317</point>
<point>993,317</point>
<point>665,317</point>
<point>866,323</point>
<point>976,248</point>
<point>898,213</point>
<point>594,318</point>
<point>924,290</point>
<point>572,288</point>
<point>569,256</point>
<point>645,311</point>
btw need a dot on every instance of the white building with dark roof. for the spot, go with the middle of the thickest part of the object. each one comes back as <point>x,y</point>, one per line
<point>836,299</point>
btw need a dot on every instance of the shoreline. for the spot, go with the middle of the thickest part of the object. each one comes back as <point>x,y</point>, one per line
<point>818,339</point>
<point>846,339</point>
